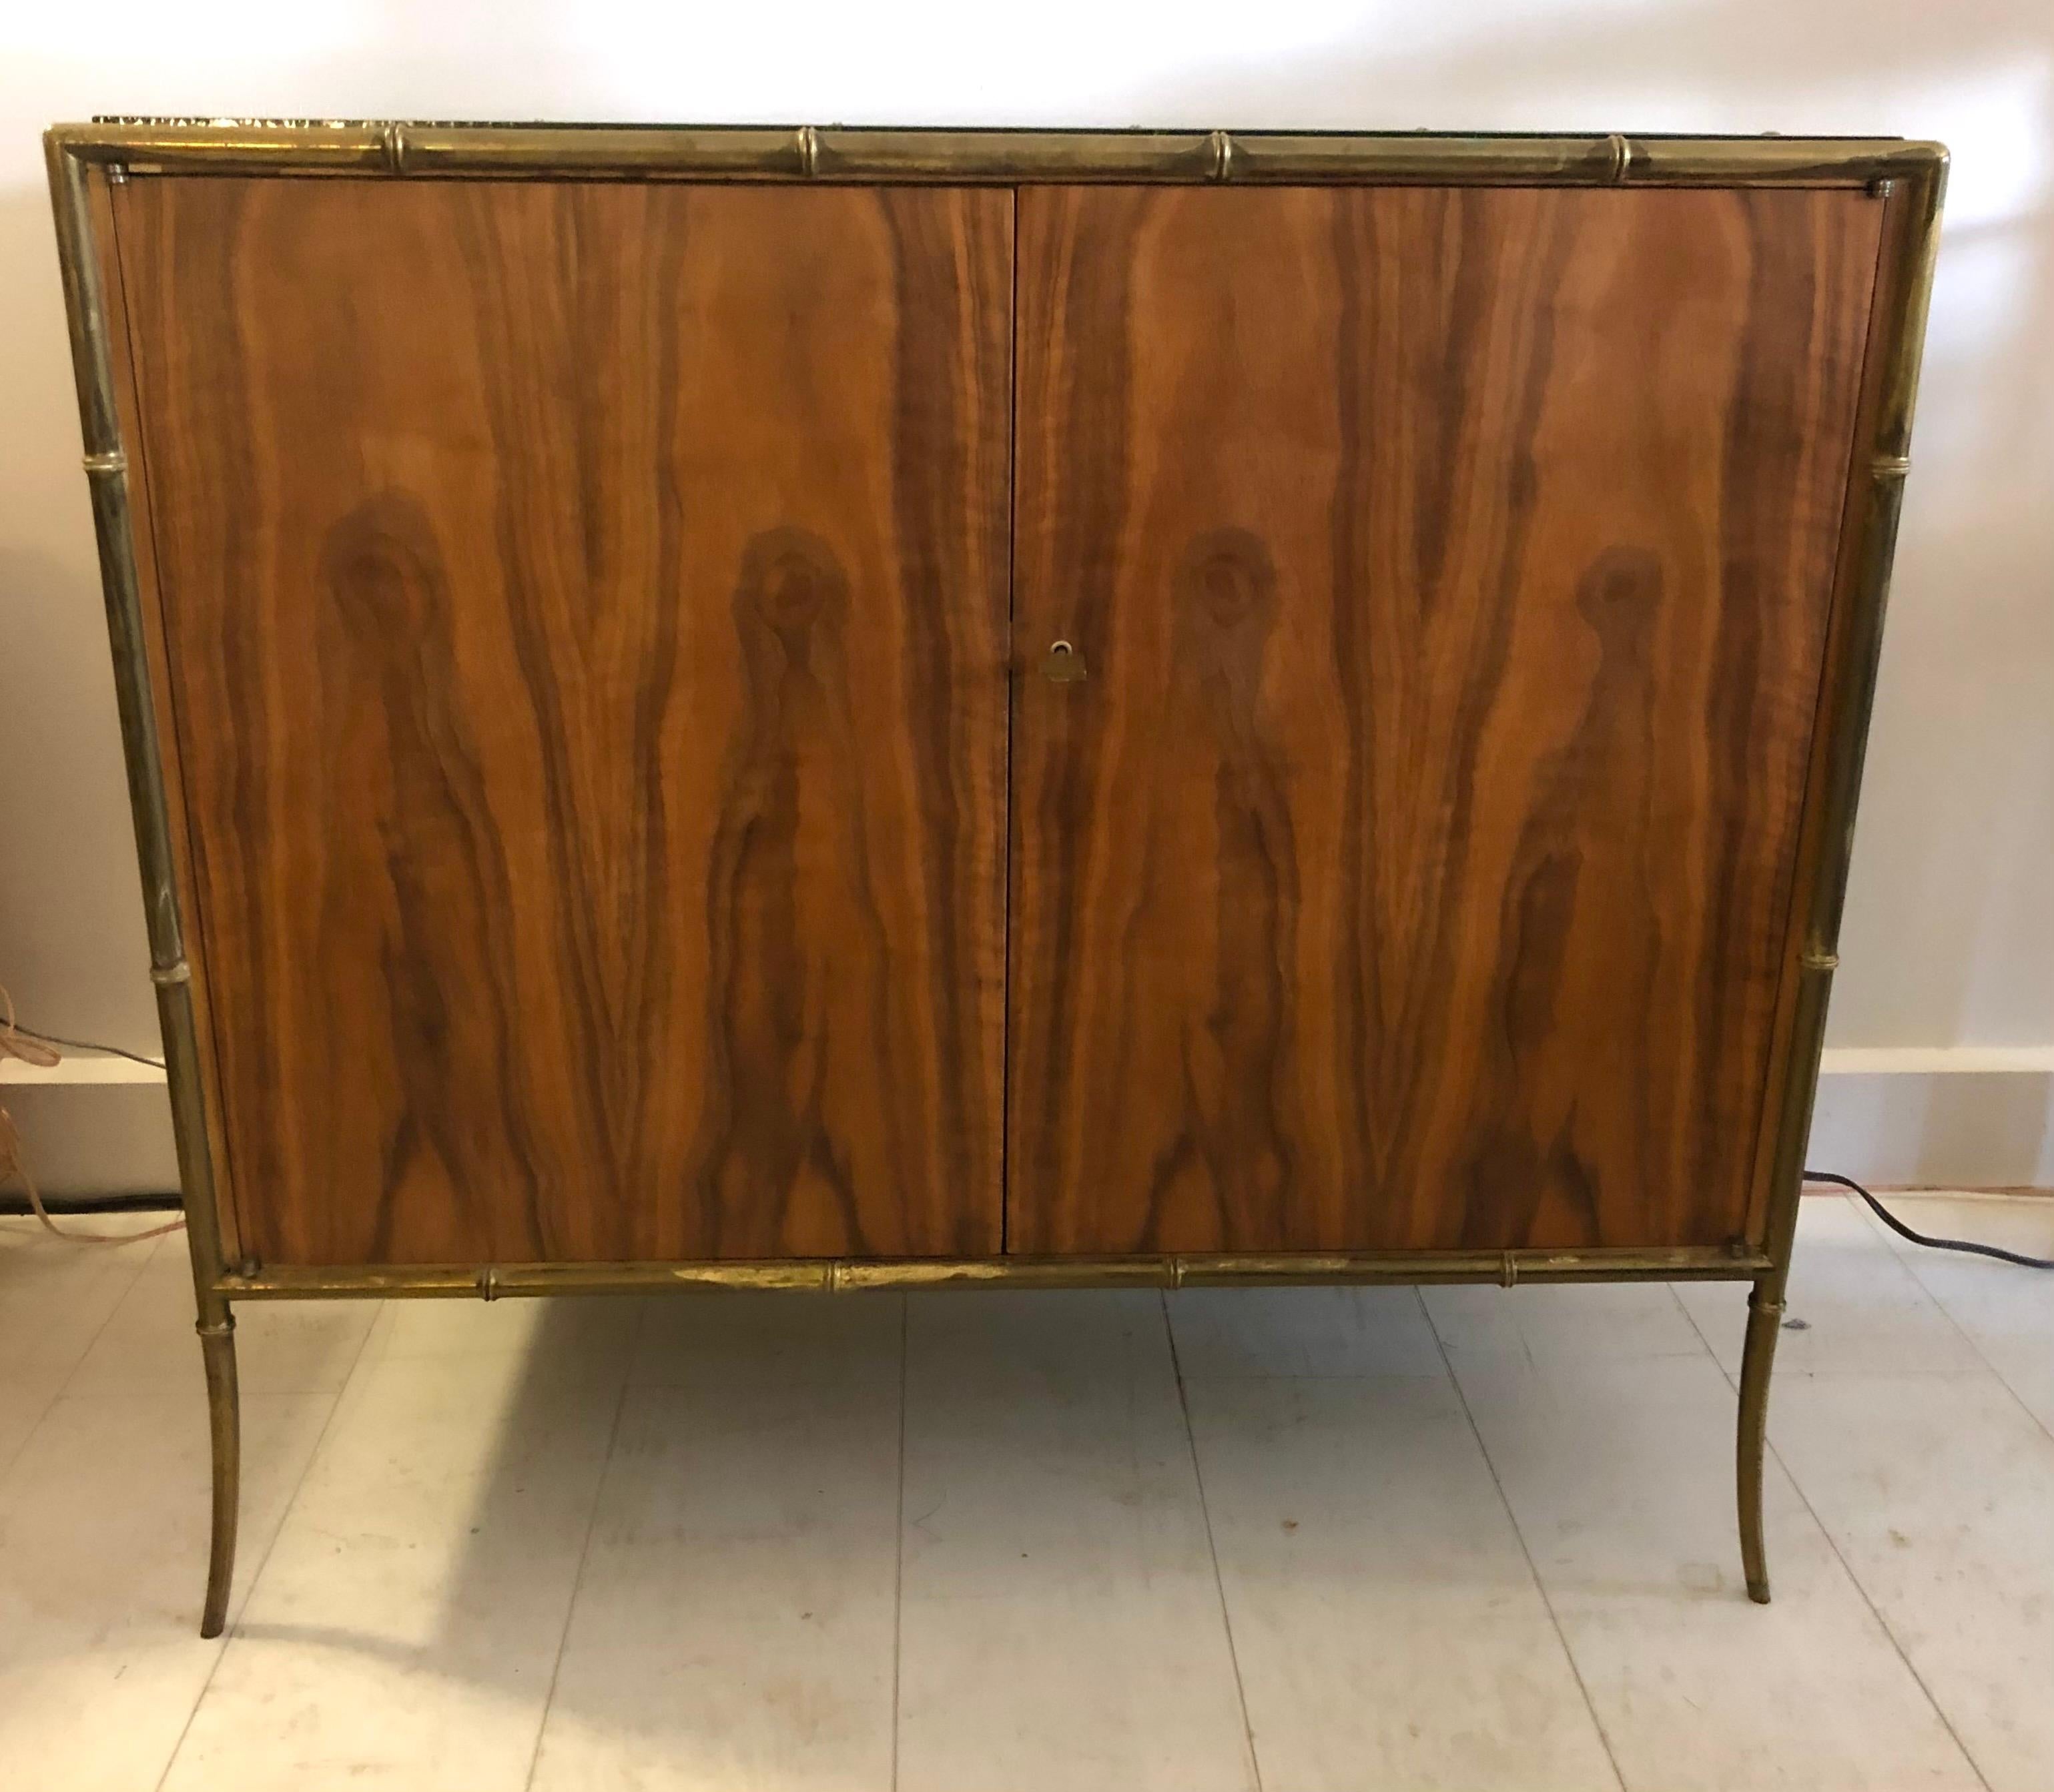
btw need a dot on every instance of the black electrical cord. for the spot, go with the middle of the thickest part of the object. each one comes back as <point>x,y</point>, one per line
<point>1903,1231</point>
<point>19,1207</point>
<point>86,1045</point>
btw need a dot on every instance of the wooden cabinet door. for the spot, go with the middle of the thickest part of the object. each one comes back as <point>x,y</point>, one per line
<point>1449,571</point>
<point>585,613</point>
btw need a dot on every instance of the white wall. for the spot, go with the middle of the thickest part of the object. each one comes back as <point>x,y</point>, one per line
<point>1948,943</point>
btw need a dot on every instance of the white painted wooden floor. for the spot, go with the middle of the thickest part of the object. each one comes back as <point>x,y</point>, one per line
<point>1305,1542</point>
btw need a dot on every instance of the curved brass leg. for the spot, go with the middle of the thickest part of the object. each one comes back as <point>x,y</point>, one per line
<point>217,1344</point>
<point>1765,1317</point>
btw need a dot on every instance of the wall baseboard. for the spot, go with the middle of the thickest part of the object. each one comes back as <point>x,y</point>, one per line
<point>1969,1116</point>
<point>92,1124</point>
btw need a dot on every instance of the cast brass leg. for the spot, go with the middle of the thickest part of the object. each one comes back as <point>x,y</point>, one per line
<point>217,1344</point>
<point>1765,1317</point>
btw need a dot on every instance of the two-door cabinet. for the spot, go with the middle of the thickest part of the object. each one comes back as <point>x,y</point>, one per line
<point>827,708</point>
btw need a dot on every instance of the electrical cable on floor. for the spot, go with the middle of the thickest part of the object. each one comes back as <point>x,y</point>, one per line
<point>36,1049</point>
<point>41,1037</point>
<point>122,1200</point>
<point>1903,1231</point>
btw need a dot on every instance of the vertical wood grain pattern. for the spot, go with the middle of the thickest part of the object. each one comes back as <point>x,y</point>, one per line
<point>586,610</point>
<point>1452,566</point>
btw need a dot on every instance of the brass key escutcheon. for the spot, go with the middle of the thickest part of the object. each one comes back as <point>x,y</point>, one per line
<point>1064,665</point>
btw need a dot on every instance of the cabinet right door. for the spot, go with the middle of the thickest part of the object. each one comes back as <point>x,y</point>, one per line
<point>1448,571</point>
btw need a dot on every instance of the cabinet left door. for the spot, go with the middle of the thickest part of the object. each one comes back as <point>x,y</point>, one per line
<point>584,620</point>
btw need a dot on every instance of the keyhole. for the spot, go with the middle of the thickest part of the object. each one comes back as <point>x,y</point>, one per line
<point>1064,665</point>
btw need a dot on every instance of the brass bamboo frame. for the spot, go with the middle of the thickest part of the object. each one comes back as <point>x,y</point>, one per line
<point>1908,177</point>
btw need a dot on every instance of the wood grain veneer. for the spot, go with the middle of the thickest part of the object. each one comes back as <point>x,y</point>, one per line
<point>1412,869</point>
<point>586,609</point>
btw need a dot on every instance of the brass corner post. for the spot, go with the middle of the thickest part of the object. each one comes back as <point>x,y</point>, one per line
<point>1912,191</point>
<point>1765,1317</point>
<point>106,468</point>
<point>224,1416</point>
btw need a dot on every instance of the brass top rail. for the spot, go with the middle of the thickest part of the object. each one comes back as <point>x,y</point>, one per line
<point>832,152</point>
